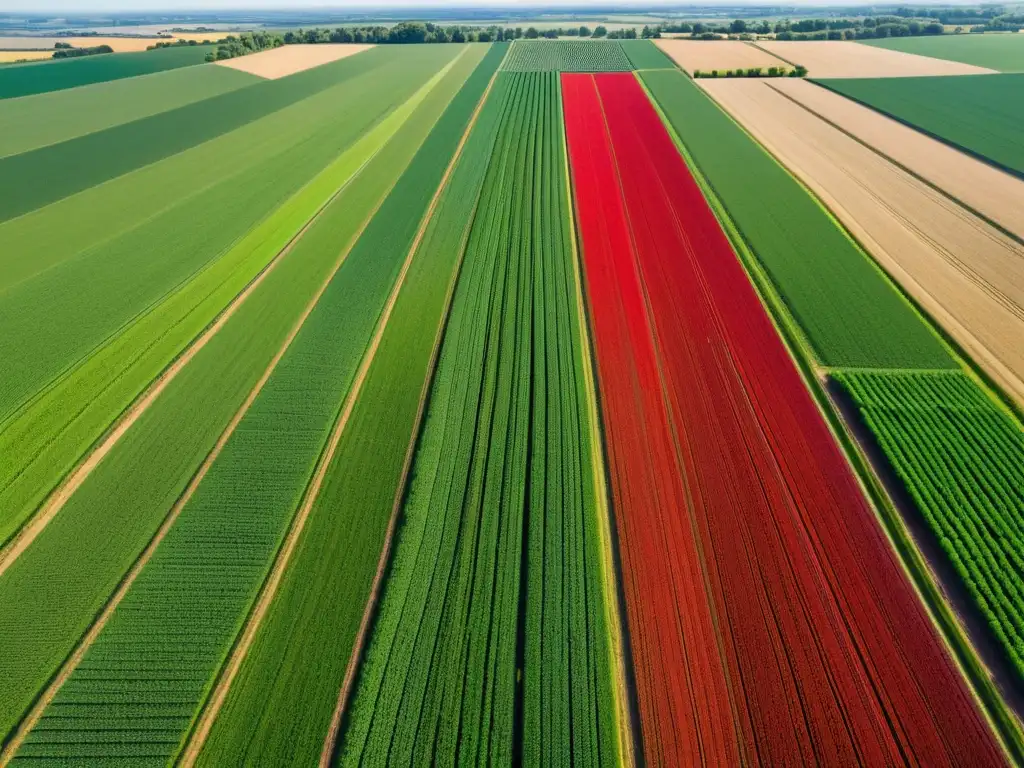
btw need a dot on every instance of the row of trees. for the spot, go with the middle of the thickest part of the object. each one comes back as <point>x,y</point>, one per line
<point>242,45</point>
<point>65,51</point>
<point>798,71</point>
<point>427,32</point>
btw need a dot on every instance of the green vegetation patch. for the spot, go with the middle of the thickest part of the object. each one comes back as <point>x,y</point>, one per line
<point>494,600</point>
<point>567,56</point>
<point>1003,52</point>
<point>981,114</point>
<point>50,118</point>
<point>42,77</point>
<point>281,703</point>
<point>51,173</point>
<point>961,459</point>
<point>49,596</point>
<point>643,54</point>
<point>851,314</point>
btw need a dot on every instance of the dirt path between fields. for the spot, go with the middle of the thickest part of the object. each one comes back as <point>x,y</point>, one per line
<point>362,636</point>
<point>984,189</point>
<point>965,273</point>
<point>71,664</point>
<point>67,488</point>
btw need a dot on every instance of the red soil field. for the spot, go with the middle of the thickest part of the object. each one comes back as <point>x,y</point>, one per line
<point>770,621</point>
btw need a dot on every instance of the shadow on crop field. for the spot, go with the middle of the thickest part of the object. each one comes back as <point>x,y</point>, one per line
<point>979,633</point>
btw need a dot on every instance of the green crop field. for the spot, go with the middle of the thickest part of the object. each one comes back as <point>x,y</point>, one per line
<point>51,118</point>
<point>477,540</point>
<point>567,56</point>
<point>1002,52</point>
<point>42,77</point>
<point>311,448</point>
<point>961,460</point>
<point>849,312</point>
<point>981,114</point>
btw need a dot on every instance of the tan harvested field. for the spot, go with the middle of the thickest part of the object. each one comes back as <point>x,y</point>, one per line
<point>119,44</point>
<point>965,273</point>
<point>706,55</point>
<point>839,58</point>
<point>289,59</point>
<point>8,56</point>
<point>996,195</point>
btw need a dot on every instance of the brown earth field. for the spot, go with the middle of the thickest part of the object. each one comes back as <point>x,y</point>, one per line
<point>707,55</point>
<point>996,195</point>
<point>839,58</point>
<point>289,59</point>
<point>964,272</point>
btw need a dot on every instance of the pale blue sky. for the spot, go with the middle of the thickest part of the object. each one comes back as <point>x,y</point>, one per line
<point>85,6</point>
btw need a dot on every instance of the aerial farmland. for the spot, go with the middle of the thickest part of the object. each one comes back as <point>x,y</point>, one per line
<point>473,392</point>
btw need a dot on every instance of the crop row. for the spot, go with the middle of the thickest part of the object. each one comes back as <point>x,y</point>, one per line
<point>224,232</point>
<point>282,701</point>
<point>192,597</point>
<point>961,459</point>
<point>769,618</point>
<point>848,311</point>
<point>51,593</point>
<point>567,56</point>
<point>493,604</point>
<point>28,79</point>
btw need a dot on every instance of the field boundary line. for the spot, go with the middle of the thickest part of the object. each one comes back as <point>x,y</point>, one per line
<point>240,650</point>
<point>627,734</point>
<point>358,648</point>
<point>961,652</point>
<point>909,171</point>
<point>29,721</point>
<point>59,496</point>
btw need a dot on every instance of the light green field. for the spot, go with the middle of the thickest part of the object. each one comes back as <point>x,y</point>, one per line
<point>49,118</point>
<point>1001,51</point>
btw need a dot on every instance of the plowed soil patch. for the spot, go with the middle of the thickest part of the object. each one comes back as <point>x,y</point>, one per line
<point>826,58</point>
<point>289,59</point>
<point>706,55</point>
<point>968,275</point>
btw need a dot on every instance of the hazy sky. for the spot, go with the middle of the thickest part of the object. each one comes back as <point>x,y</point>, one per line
<point>84,6</point>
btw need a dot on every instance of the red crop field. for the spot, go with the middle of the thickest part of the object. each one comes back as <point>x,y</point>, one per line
<point>769,619</point>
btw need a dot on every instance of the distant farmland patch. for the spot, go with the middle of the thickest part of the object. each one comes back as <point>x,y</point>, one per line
<point>289,59</point>
<point>982,115</point>
<point>567,56</point>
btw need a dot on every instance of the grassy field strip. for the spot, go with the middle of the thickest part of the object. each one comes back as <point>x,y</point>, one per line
<point>913,561</point>
<point>494,578</point>
<point>278,568</point>
<point>614,611</point>
<point>170,632</point>
<point>27,79</point>
<point>49,118</point>
<point>51,594</point>
<point>1002,52</point>
<point>38,456</point>
<point>94,158</point>
<point>281,701</point>
<point>644,54</point>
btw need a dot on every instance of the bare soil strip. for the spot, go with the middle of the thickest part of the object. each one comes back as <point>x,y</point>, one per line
<point>707,55</point>
<point>840,58</point>
<point>964,272</point>
<point>69,666</point>
<point>362,636</point>
<point>289,59</point>
<point>60,495</point>
<point>986,190</point>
